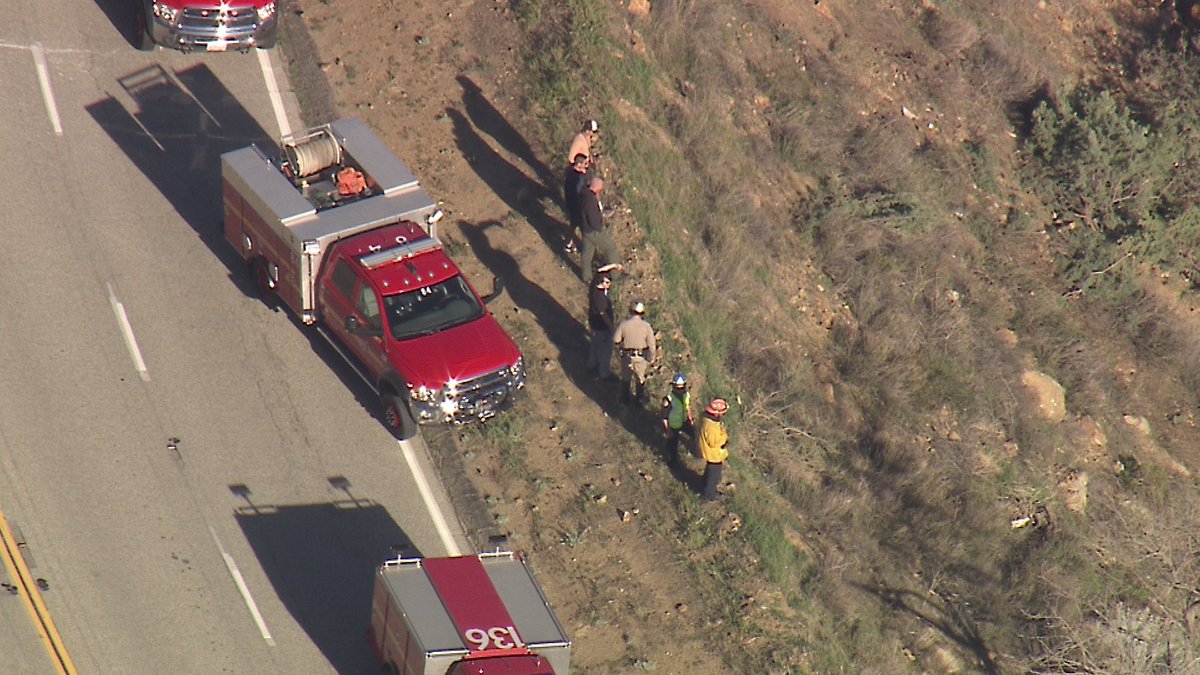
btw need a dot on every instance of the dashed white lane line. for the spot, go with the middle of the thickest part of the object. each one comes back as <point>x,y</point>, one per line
<point>435,513</point>
<point>264,60</point>
<point>234,572</point>
<point>127,331</point>
<point>43,73</point>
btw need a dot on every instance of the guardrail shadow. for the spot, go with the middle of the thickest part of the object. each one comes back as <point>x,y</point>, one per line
<point>181,124</point>
<point>321,561</point>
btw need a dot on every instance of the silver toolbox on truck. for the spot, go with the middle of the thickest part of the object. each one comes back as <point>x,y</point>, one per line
<point>444,615</point>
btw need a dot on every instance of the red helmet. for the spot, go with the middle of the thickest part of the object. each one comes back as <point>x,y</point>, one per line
<point>717,407</point>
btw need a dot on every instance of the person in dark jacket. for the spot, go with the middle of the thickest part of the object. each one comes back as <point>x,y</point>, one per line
<point>574,183</point>
<point>594,232</point>
<point>601,325</point>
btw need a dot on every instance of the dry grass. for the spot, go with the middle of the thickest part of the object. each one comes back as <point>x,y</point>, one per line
<point>872,472</point>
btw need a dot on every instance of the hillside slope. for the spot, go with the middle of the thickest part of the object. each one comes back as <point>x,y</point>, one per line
<point>947,456</point>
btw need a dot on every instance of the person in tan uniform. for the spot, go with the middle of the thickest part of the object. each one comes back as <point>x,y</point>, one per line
<point>635,338</point>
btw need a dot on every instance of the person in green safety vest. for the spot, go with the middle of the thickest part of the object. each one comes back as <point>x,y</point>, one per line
<point>677,417</point>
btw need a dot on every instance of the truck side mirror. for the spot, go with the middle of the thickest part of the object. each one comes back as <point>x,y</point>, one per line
<point>497,291</point>
<point>353,327</point>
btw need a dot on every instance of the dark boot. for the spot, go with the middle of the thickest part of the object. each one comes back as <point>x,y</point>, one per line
<point>672,449</point>
<point>642,398</point>
<point>626,398</point>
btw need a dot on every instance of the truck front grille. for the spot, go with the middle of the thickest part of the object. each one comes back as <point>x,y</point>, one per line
<point>214,24</point>
<point>483,396</point>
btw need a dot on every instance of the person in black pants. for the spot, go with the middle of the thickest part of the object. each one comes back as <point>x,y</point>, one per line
<point>600,322</point>
<point>574,183</point>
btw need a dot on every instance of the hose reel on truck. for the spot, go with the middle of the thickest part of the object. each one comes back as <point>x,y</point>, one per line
<point>312,152</point>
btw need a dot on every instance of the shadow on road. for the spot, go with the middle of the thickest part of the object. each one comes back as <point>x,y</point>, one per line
<point>321,560</point>
<point>123,14</point>
<point>182,124</point>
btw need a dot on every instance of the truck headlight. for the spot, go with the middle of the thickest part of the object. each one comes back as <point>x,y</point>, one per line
<point>426,395</point>
<point>166,14</point>
<point>266,12</point>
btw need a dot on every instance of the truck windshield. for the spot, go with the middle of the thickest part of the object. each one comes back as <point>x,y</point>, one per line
<point>431,309</point>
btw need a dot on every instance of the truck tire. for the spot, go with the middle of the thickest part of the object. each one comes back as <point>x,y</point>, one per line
<point>398,417</point>
<point>141,34</point>
<point>262,278</point>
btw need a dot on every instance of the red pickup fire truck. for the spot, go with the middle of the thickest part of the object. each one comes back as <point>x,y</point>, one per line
<point>211,25</point>
<point>469,615</point>
<point>332,229</point>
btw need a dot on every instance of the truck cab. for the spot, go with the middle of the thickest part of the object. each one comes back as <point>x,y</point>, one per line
<point>413,320</point>
<point>209,25</point>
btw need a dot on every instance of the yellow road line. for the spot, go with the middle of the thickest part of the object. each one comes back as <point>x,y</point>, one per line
<point>19,571</point>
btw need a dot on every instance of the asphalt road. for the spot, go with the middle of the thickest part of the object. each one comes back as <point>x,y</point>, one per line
<point>161,431</point>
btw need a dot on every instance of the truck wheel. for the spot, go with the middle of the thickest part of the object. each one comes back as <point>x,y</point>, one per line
<point>262,278</point>
<point>142,35</point>
<point>398,417</point>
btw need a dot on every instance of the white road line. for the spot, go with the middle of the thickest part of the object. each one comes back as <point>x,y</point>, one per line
<point>127,331</point>
<point>264,60</point>
<point>234,572</point>
<point>439,521</point>
<point>43,73</point>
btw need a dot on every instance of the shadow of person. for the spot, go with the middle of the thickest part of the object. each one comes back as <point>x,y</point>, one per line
<point>522,194</point>
<point>490,121</point>
<point>565,332</point>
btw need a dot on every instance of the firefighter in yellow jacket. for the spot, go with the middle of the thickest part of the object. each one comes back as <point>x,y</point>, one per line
<point>713,440</point>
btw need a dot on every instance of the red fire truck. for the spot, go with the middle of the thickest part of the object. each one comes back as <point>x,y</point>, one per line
<point>469,615</point>
<point>332,230</point>
<point>210,25</point>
